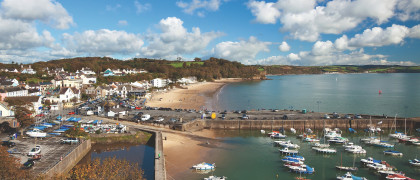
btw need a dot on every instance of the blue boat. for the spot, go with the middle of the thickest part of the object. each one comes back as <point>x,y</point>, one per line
<point>300,158</point>
<point>394,153</point>
<point>289,160</point>
<point>351,130</point>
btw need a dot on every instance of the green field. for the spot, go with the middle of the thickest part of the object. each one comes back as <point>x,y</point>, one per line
<point>179,64</point>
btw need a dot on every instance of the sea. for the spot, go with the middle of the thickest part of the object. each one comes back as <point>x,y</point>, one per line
<point>342,93</point>
<point>250,155</point>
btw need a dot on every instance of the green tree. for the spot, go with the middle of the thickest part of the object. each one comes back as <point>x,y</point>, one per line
<point>10,166</point>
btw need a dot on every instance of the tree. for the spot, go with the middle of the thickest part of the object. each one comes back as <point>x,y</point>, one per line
<point>23,116</point>
<point>197,59</point>
<point>109,168</point>
<point>76,131</point>
<point>10,166</point>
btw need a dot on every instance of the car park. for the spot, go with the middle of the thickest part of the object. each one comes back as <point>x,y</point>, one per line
<point>28,164</point>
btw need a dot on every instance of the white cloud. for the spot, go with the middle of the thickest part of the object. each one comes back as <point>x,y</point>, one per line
<point>103,42</point>
<point>296,6</point>
<point>47,11</point>
<point>265,13</point>
<point>243,51</point>
<point>415,32</point>
<point>142,7</point>
<point>408,10</point>
<point>176,40</point>
<point>293,57</point>
<point>284,47</point>
<point>122,23</point>
<point>377,36</point>
<point>306,21</point>
<point>323,48</point>
<point>16,34</point>
<point>195,5</point>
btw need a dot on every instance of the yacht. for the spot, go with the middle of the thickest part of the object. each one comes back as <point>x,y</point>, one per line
<point>394,153</point>
<point>349,176</point>
<point>288,151</point>
<point>332,134</point>
<point>204,166</point>
<point>414,162</point>
<point>215,178</point>
<point>288,144</point>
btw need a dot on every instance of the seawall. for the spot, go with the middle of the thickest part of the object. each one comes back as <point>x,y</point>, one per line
<point>314,124</point>
<point>71,159</point>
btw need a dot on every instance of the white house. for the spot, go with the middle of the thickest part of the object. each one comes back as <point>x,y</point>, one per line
<point>87,71</point>
<point>159,83</point>
<point>27,70</point>
<point>5,110</point>
<point>88,79</point>
<point>68,93</point>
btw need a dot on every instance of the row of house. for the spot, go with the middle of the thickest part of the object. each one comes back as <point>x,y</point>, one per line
<point>118,72</point>
<point>23,70</point>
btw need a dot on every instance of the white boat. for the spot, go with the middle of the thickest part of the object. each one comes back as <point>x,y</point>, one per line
<point>36,133</point>
<point>278,136</point>
<point>349,176</point>
<point>338,140</point>
<point>394,153</point>
<point>204,166</point>
<point>34,151</point>
<point>368,140</point>
<point>262,131</point>
<point>293,130</point>
<point>355,149</point>
<point>398,177</point>
<point>320,145</point>
<point>288,151</point>
<point>215,178</point>
<point>288,144</point>
<point>348,145</point>
<point>378,166</point>
<point>369,160</point>
<point>324,150</point>
<point>308,139</point>
<point>332,134</point>
<point>414,162</point>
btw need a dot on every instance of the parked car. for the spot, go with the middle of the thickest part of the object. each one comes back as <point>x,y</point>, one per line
<point>244,116</point>
<point>40,115</point>
<point>173,120</point>
<point>326,116</point>
<point>71,113</point>
<point>159,119</point>
<point>88,113</point>
<point>347,116</point>
<point>28,164</point>
<point>8,144</point>
<point>138,108</point>
<point>336,115</point>
<point>223,116</point>
<point>357,116</point>
<point>34,151</point>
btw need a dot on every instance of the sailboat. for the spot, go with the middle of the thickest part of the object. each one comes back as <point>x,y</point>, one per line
<point>346,168</point>
<point>396,134</point>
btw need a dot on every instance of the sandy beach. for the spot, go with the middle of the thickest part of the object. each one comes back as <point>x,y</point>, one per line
<point>194,96</point>
<point>182,151</point>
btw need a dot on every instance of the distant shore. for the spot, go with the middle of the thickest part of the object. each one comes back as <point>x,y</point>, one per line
<point>194,96</point>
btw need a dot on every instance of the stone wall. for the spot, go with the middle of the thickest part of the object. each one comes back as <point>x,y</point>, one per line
<point>71,159</point>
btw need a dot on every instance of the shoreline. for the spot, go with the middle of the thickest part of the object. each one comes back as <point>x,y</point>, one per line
<point>194,96</point>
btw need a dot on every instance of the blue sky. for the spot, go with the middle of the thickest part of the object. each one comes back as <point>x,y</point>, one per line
<point>286,32</point>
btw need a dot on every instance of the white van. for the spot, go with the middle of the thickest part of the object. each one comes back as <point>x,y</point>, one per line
<point>145,117</point>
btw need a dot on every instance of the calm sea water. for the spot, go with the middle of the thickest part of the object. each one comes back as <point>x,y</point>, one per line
<point>343,93</point>
<point>249,155</point>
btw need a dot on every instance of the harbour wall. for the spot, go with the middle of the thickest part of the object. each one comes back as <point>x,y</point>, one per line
<point>70,160</point>
<point>314,124</point>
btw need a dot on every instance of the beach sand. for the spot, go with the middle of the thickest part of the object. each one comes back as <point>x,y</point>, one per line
<point>183,151</point>
<point>194,96</point>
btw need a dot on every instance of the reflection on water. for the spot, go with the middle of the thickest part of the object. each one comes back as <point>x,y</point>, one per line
<point>134,153</point>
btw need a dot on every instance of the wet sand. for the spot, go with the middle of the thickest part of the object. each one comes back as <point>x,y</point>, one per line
<point>183,151</point>
<point>195,96</point>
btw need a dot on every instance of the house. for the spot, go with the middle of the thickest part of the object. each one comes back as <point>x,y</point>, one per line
<point>108,72</point>
<point>73,82</point>
<point>46,86</point>
<point>87,71</point>
<point>159,83</point>
<point>188,80</point>
<point>34,92</point>
<point>5,110</point>
<point>12,70</point>
<point>27,70</point>
<point>6,82</point>
<point>13,92</point>
<point>88,79</point>
<point>33,86</point>
<point>33,103</point>
<point>69,93</point>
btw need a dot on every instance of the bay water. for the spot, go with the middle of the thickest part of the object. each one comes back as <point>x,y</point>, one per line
<point>342,93</point>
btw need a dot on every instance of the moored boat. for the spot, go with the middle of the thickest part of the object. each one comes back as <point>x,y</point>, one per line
<point>288,144</point>
<point>293,130</point>
<point>394,153</point>
<point>288,151</point>
<point>414,162</point>
<point>349,176</point>
<point>398,177</point>
<point>324,150</point>
<point>204,166</point>
<point>36,133</point>
<point>215,178</point>
<point>369,160</point>
<point>346,168</point>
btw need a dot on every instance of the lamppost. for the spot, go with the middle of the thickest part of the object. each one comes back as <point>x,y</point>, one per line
<point>318,102</point>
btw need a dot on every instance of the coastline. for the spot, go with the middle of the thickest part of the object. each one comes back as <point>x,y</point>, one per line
<point>194,96</point>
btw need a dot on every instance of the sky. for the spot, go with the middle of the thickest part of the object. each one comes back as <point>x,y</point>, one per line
<point>282,32</point>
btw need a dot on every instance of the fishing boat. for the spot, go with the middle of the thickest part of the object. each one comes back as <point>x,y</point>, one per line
<point>394,153</point>
<point>215,178</point>
<point>414,162</point>
<point>204,166</point>
<point>349,176</point>
<point>398,177</point>
<point>36,133</point>
<point>288,151</point>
